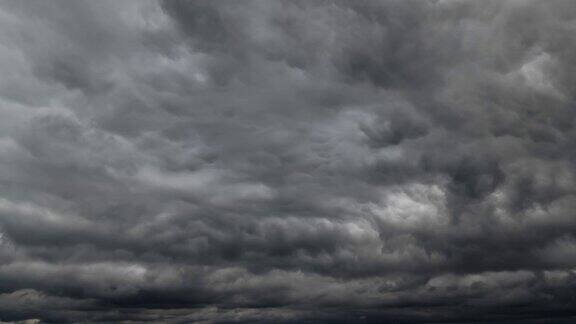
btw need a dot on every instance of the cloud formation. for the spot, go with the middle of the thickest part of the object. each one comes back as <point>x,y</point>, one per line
<point>287,161</point>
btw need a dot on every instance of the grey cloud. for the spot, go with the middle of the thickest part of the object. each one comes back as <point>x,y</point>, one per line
<point>287,161</point>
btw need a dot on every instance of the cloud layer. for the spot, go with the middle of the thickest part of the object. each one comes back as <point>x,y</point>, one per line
<point>287,161</point>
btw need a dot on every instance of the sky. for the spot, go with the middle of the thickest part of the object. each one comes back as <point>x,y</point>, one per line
<point>287,161</point>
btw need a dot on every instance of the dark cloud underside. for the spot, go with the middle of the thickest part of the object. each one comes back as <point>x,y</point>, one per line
<point>287,161</point>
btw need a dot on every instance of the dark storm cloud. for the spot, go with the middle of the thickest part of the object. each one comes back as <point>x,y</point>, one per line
<point>287,161</point>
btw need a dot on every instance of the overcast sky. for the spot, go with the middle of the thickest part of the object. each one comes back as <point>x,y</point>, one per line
<point>388,161</point>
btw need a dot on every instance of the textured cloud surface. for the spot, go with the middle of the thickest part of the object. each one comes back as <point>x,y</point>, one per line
<point>287,161</point>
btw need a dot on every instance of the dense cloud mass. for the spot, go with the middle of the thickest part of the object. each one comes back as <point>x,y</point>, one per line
<point>390,161</point>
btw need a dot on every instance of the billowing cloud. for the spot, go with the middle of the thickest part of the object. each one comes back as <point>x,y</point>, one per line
<point>287,161</point>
